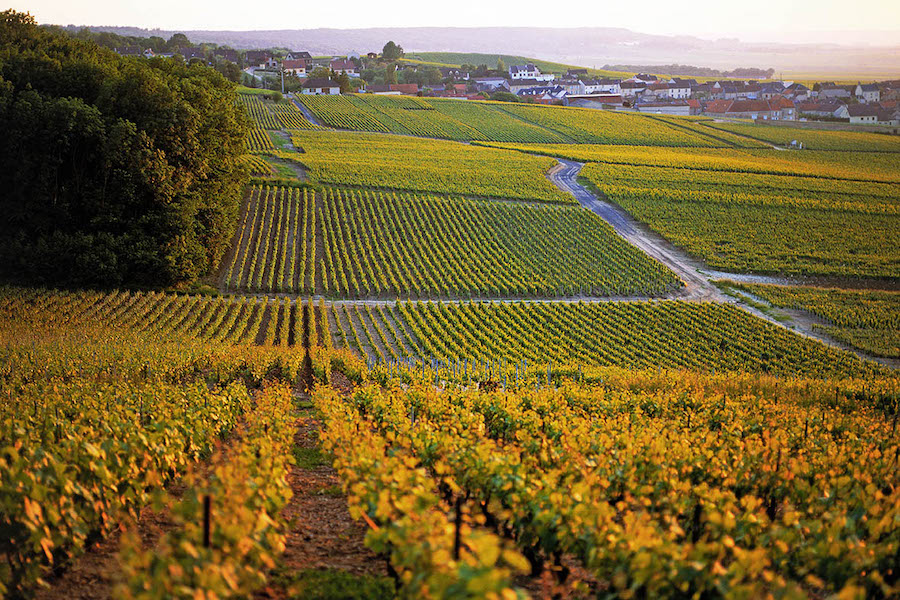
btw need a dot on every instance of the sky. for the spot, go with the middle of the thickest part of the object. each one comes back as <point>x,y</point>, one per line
<point>860,21</point>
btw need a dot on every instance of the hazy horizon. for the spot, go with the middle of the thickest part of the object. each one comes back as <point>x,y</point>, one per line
<point>874,23</point>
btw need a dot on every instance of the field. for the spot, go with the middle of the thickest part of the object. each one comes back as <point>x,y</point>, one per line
<point>642,490</point>
<point>346,243</point>
<point>746,222</point>
<point>415,164</point>
<point>816,139</point>
<point>423,370</point>
<point>631,335</point>
<point>119,395</point>
<point>457,59</point>
<point>267,114</point>
<point>506,122</point>
<point>866,319</point>
<point>879,167</point>
<point>275,247</point>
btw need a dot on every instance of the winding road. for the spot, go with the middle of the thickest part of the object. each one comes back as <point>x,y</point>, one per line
<point>697,284</point>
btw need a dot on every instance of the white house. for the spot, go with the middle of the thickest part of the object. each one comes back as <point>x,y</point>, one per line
<point>868,92</point>
<point>321,87</point>
<point>602,86</point>
<point>858,114</point>
<point>528,71</point>
<point>680,89</point>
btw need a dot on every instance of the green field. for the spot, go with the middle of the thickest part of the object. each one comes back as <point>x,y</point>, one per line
<point>766,224</point>
<point>507,122</point>
<point>457,59</point>
<point>816,139</point>
<point>865,319</point>
<point>416,164</point>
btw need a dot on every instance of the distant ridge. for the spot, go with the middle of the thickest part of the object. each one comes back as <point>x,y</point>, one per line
<point>587,46</point>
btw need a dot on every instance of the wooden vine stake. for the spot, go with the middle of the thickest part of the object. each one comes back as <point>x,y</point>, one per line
<point>207,521</point>
<point>306,375</point>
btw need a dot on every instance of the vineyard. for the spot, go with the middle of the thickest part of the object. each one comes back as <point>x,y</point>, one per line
<point>866,319</point>
<point>275,247</point>
<point>631,335</point>
<point>98,422</point>
<point>114,397</point>
<point>747,222</point>
<point>815,139</point>
<point>266,114</point>
<point>869,167</point>
<point>691,488</point>
<point>348,243</point>
<point>505,122</point>
<point>157,316</point>
<point>428,372</point>
<point>415,164</point>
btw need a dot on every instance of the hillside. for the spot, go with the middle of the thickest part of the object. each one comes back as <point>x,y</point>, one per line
<point>585,46</point>
<point>454,349</point>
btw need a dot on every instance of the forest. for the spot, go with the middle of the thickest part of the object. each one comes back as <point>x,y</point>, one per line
<point>115,171</point>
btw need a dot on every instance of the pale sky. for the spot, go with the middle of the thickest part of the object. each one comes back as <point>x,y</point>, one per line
<point>804,20</point>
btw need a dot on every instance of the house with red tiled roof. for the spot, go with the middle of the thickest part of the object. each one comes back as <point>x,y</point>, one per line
<point>294,67</point>
<point>344,65</point>
<point>410,89</point>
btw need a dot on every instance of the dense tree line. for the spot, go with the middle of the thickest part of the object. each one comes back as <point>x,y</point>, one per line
<point>115,171</point>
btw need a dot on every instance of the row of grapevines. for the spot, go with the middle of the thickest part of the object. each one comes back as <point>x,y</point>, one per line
<point>86,454</point>
<point>658,493</point>
<point>634,335</point>
<point>829,166</point>
<point>402,162</point>
<point>433,553</point>
<point>866,319</point>
<point>338,111</point>
<point>247,490</point>
<point>259,141</point>
<point>379,243</point>
<point>402,244</point>
<point>275,249</point>
<point>159,316</point>
<point>814,139</point>
<point>258,110</point>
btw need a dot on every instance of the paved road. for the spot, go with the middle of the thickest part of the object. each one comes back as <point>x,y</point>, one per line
<point>306,112</point>
<point>697,285</point>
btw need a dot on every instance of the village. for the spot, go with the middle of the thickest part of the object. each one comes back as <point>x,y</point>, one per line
<point>388,73</point>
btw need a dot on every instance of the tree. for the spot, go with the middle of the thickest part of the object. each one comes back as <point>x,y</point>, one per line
<point>501,66</point>
<point>115,171</point>
<point>177,42</point>
<point>392,51</point>
<point>344,81</point>
<point>390,74</point>
<point>321,73</point>
<point>505,97</point>
<point>432,75</point>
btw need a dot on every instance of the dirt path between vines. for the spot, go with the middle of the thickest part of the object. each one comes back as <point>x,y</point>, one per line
<point>321,533</point>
